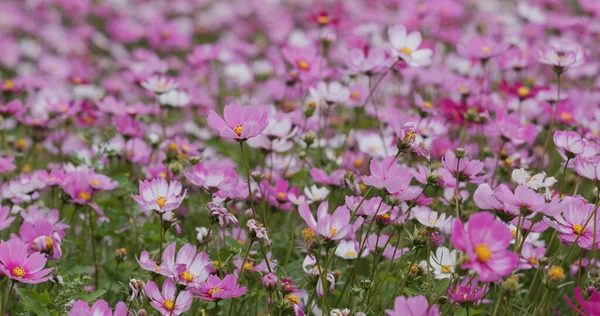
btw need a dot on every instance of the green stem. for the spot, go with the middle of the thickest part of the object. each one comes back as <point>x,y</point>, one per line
<point>249,183</point>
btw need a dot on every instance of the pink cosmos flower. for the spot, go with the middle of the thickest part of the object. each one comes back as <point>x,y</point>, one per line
<point>465,294</point>
<point>464,169</point>
<point>388,175</point>
<point>5,219</point>
<point>569,144</point>
<point>561,60</point>
<point>588,168</point>
<point>482,48</point>
<point>212,177</point>
<point>239,122</point>
<point>99,308</point>
<point>526,199</point>
<point>159,84</point>
<point>306,62</point>
<point>159,195</point>
<point>372,61</point>
<point>485,239</point>
<point>485,199</point>
<point>6,164</point>
<point>406,46</point>
<point>216,289</point>
<point>18,266</point>
<point>166,303</point>
<point>334,226</point>
<point>188,268</point>
<point>589,308</point>
<point>415,306</point>
<point>571,222</point>
<point>41,237</point>
<point>530,256</point>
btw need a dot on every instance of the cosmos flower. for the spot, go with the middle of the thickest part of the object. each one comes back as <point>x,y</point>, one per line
<point>485,239</point>
<point>215,289</point>
<point>239,122</point>
<point>166,303</point>
<point>18,266</point>
<point>406,46</point>
<point>159,195</point>
<point>416,305</point>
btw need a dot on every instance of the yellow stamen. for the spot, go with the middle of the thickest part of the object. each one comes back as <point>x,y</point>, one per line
<point>446,269</point>
<point>21,143</point>
<point>432,221</point>
<point>9,84</point>
<point>292,299</point>
<point>248,266</point>
<point>532,260</point>
<point>308,234</point>
<point>214,290</point>
<point>523,91</point>
<point>407,51</point>
<point>333,232</point>
<point>156,268</point>
<point>323,19</point>
<point>350,253</point>
<point>161,201</point>
<point>486,49</point>
<point>281,195</point>
<point>566,116</point>
<point>162,175</point>
<point>427,105</point>
<point>302,64</point>
<point>483,253</point>
<point>169,305</point>
<point>49,243</point>
<point>172,147</point>
<point>18,272</point>
<point>238,130</point>
<point>95,182</point>
<point>358,162</point>
<point>84,196</point>
<point>577,228</point>
<point>187,276</point>
<point>355,95</point>
<point>556,273</point>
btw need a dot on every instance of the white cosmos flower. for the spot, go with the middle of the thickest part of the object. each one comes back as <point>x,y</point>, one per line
<point>443,262</point>
<point>406,46</point>
<point>174,98</point>
<point>315,194</point>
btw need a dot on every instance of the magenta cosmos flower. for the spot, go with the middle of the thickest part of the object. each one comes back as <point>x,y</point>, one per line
<point>99,308</point>
<point>406,46</point>
<point>165,303</point>
<point>334,226</point>
<point>464,169</point>
<point>188,268</point>
<point>16,265</point>
<point>482,48</point>
<point>388,175</point>
<point>216,289</point>
<point>159,195</point>
<point>485,239</point>
<point>571,223</point>
<point>239,122</point>
<point>5,219</point>
<point>591,307</point>
<point>415,306</point>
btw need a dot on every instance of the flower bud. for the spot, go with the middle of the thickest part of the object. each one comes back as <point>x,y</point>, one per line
<point>142,312</point>
<point>461,152</point>
<point>270,282</point>
<point>120,254</point>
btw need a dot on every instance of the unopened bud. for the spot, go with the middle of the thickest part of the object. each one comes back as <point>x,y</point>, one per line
<point>270,282</point>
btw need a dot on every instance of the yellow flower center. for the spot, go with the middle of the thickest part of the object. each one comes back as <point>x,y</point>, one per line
<point>238,130</point>
<point>384,216</point>
<point>427,105</point>
<point>18,272</point>
<point>523,91</point>
<point>169,305</point>
<point>172,147</point>
<point>559,58</point>
<point>513,233</point>
<point>358,162</point>
<point>308,233</point>
<point>49,242</point>
<point>162,175</point>
<point>302,64</point>
<point>432,221</point>
<point>21,143</point>
<point>292,299</point>
<point>333,232</point>
<point>281,195</point>
<point>532,261</point>
<point>214,290</point>
<point>483,253</point>
<point>508,161</point>
<point>446,268</point>
<point>566,116</point>
<point>9,84</point>
<point>84,196</point>
<point>350,253</point>
<point>248,266</point>
<point>187,276</point>
<point>485,49</point>
<point>462,89</point>
<point>556,273</point>
<point>407,51</point>
<point>160,87</point>
<point>355,95</point>
<point>156,268</point>
<point>577,228</point>
<point>414,268</point>
<point>95,182</point>
<point>161,201</point>
<point>322,19</point>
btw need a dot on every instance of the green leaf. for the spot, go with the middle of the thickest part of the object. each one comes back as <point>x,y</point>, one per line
<point>92,296</point>
<point>35,302</point>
